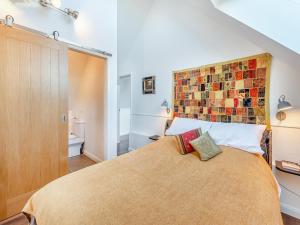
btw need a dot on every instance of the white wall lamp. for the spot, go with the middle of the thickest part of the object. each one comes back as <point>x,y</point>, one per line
<point>166,106</point>
<point>9,20</point>
<point>283,105</point>
<point>55,4</point>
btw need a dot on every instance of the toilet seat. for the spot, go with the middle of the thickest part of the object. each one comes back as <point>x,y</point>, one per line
<point>73,140</point>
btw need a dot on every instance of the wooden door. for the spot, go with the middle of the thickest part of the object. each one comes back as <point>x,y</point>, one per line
<point>33,115</point>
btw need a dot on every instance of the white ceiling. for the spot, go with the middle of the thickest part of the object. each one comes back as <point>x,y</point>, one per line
<point>131,17</point>
<point>276,19</point>
<point>258,20</point>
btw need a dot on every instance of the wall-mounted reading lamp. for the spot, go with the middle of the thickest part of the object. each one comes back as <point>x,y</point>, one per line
<point>55,4</point>
<point>165,105</point>
<point>283,105</point>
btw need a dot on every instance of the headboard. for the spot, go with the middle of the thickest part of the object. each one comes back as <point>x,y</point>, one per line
<point>266,143</point>
<point>235,91</point>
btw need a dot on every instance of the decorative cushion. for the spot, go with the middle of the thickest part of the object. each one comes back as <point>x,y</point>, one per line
<point>184,140</point>
<point>206,147</point>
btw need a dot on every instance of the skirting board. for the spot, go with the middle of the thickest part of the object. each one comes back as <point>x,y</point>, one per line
<point>290,210</point>
<point>92,156</point>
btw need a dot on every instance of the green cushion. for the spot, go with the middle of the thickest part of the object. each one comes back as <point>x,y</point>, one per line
<point>206,147</point>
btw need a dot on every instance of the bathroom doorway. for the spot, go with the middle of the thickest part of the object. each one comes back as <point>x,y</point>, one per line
<point>124,92</point>
<point>87,104</point>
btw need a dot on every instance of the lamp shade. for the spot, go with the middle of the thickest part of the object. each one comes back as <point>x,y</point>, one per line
<point>283,104</point>
<point>165,105</point>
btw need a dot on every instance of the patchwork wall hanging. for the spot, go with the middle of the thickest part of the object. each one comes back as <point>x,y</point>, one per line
<point>236,91</point>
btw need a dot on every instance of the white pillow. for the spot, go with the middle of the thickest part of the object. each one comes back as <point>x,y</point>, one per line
<point>182,125</point>
<point>246,137</point>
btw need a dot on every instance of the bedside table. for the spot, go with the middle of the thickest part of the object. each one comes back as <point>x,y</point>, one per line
<point>154,137</point>
<point>290,191</point>
<point>280,167</point>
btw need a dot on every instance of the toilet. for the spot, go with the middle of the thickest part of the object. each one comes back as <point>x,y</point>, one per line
<point>76,137</point>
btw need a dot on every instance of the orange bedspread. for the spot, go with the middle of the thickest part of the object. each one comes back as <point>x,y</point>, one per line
<point>156,185</point>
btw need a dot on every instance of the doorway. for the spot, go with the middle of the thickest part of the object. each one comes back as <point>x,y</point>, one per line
<point>87,105</point>
<point>124,109</point>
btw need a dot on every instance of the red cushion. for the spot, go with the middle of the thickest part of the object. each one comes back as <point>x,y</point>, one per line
<point>184,140</point>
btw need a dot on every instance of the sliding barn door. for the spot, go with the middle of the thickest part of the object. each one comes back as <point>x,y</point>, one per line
<point>33,115</point>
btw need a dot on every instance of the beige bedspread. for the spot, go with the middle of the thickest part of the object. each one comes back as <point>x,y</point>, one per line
<point>158,186</point>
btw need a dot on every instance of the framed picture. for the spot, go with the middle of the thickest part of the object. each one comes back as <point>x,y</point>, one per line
<point>149,85</point>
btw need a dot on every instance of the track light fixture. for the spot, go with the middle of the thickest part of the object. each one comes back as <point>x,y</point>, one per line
<point>72,13</point>
<point>55,4</point>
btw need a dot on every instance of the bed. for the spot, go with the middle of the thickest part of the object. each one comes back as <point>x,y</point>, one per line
<point>156,185</point>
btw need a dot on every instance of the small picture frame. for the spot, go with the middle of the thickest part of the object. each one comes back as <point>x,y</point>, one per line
<point>149,85</point>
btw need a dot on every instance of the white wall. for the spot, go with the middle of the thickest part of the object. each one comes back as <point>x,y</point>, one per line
<point>96,27</point>
<point>125,121</point>
<point>125,105</point>
<point>189,33</point>
<point>125,92</point>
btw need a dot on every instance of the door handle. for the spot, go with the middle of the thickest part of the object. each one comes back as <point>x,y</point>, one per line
<point>63,118</point>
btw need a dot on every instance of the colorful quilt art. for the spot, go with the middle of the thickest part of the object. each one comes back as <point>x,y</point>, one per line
<point>235,92</point>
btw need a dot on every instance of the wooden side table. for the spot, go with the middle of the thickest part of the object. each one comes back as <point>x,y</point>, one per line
<point>279,167</point>
<point>290,190</point>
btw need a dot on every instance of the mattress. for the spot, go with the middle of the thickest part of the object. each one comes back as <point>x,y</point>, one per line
<point>157,185</point>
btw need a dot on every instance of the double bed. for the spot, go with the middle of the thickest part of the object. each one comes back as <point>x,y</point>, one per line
<point>156,185</point>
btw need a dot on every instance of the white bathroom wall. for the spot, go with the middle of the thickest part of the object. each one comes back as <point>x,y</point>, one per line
<point>95,27</point>
<point>87,92</point>
<point>77,66</point>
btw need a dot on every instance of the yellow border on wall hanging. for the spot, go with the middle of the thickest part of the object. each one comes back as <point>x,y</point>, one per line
<point>268,58</point>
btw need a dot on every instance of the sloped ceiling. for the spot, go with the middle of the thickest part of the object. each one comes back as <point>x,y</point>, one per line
<point>131,17</point>
<point>133,14</point>
<point>277,19</point>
